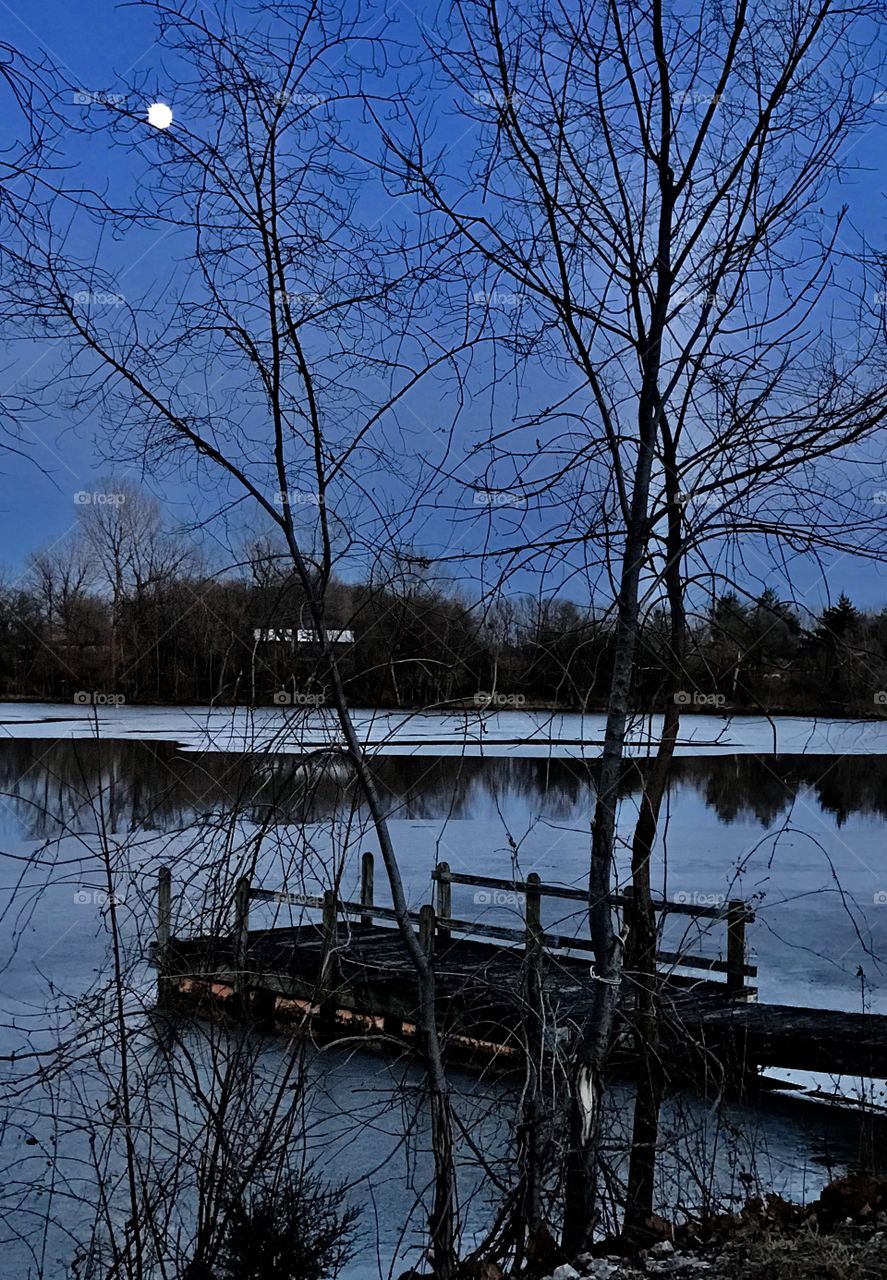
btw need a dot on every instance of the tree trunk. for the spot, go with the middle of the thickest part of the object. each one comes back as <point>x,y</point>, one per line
<point>642,915</point>
<point>442,1217</point>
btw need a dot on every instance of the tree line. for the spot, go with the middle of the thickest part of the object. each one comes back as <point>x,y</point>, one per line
<point>126,608</point>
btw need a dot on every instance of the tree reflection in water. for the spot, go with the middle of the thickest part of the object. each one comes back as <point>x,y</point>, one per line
<point>157,786</point>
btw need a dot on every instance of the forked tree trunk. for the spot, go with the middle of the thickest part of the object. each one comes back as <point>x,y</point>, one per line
<point>587,1074</point>
<point>642,915</point>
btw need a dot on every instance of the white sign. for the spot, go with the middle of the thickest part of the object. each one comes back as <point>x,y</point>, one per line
<point>285,635</point>
<point>334,637</point>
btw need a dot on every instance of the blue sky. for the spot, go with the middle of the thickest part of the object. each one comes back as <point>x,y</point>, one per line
<point>102,46</point>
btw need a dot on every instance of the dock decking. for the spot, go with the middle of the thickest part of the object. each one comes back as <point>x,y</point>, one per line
<point>347,968</point>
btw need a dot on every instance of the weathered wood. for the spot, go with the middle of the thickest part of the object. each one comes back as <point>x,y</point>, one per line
<point>366,888</point>
<point>447,926</point>
<point>164,934</point>
<point>291,899</point>
<point>444,885</point>
<point>482,998</point>
<point>736,950</point>
<point>796,1038</point>
<point>316,901</point>
<point>688,960</point>
<point>241,936</point>
<point>581,895</point>
<point>477,927</point>
<point>426,929</point>
<point>534,937</point>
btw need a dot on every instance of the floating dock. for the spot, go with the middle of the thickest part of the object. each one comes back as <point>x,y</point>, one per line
<point>349,971</point>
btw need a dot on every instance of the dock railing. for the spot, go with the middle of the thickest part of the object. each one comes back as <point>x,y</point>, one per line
<point>436,924</point>
<point>734,913</point>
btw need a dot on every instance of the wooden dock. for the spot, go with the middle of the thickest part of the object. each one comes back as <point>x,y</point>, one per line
<point>348,971</point>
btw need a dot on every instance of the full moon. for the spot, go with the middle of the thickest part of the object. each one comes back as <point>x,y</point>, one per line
<point>160,115</point>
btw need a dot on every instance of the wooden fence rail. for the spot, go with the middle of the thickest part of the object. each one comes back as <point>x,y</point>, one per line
<point>436,924</point>
<point>734,913</point>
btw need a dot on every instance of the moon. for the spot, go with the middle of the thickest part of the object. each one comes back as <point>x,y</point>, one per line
<point>160,115</point>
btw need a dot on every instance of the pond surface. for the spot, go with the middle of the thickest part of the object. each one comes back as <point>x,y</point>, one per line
<point>802,835</point>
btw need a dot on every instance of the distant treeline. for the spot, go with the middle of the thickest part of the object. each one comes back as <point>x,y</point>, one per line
<point>123,612</point>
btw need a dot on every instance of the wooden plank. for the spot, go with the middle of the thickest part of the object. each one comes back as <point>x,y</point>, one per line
<point>689,961</point>
<point>557,942</point>
<point>736,947</point>
<point>316,902</point>
<point>241,933</point>
<point>482,983</point>
<point>292,899</point>
<point>581,895</point>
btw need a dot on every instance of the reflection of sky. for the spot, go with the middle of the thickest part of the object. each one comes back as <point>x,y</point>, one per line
<point>803,941</point>
<point>733,827</point>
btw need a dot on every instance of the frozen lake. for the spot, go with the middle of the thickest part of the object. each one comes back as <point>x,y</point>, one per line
<point>799,833</point>
<point>469,733</point>
<point>790,815</point>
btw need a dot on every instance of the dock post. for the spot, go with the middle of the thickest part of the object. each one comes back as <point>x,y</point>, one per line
<point>530,1147</point>
<point>737,916</point>
<point>328,965</point>
<point>164,935</point>
<point>366,888</point>
<point>444,897</point>
<point>533,918</point>
<point>534,951</point>
<point>241,940</point>
<point>427,925</point>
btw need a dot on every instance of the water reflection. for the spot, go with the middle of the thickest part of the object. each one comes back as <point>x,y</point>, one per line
<point>126,785</point>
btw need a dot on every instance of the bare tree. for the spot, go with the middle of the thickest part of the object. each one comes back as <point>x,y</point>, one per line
<point>302,333</point>
<point>647,185</point>
<point>651,187</point>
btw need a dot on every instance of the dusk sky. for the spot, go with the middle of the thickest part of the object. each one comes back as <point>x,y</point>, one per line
<point>101,46</point>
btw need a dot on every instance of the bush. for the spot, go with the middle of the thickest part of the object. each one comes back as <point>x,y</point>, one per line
<point>294,1227</point>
